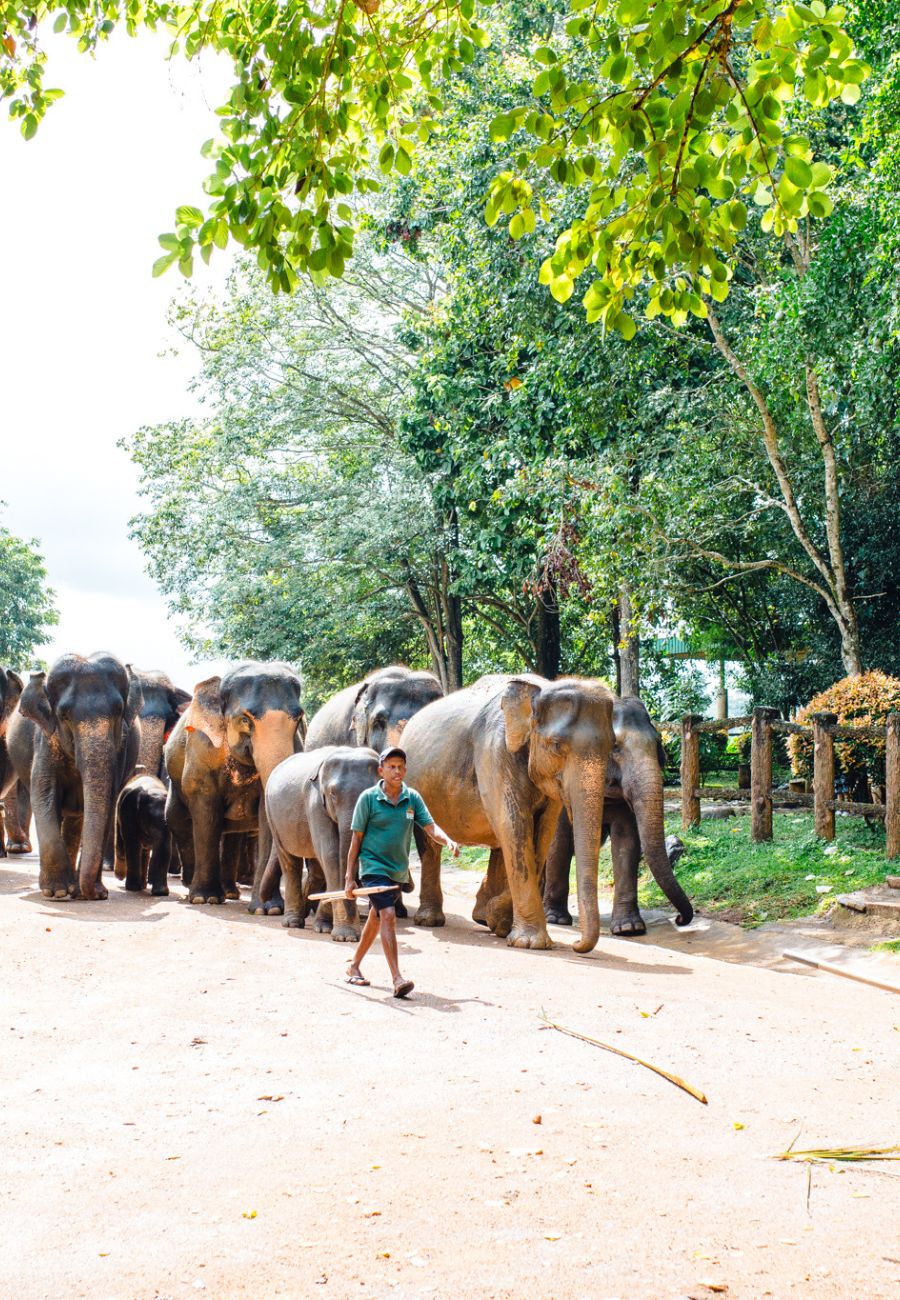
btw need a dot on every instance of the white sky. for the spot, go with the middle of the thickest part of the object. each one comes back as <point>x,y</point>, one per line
<point>82,324</point>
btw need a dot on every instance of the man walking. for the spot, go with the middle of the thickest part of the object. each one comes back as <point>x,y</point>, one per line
<point>382,828</point>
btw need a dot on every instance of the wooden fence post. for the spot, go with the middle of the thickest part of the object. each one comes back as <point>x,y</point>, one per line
<point>823,773</point>
<point>892,787</point>
<point>690,771</point>
<point>761,774</point>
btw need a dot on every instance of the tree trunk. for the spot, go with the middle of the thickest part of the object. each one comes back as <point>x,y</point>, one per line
<point>629,661</point>
<point>547,640</point>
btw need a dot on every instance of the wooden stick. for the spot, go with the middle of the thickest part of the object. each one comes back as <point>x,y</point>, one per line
<point>839,970</point>
<point>332,895</point>
<point>673,1078</point>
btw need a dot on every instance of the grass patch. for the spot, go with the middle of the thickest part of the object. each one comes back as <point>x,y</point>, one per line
<point>725,874</point>
<point>471,858</point>
<point>889,945</point>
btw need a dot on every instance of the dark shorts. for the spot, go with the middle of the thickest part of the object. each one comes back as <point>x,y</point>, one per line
<point>387,899</point>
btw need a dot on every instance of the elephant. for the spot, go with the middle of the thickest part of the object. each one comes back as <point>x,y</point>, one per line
<point>219,757</point>
<point>375,711</point>
<point>633,820</point>
<point>164,704</point>
<point>143,839</point>
<point>16,840</point>
<point>74,740</point>
<point>310,800</point>
<point>496,763</point>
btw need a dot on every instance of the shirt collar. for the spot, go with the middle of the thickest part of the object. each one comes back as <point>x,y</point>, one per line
<point>380,794</point>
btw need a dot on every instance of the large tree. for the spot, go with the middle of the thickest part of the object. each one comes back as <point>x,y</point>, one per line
<point>26,602</point>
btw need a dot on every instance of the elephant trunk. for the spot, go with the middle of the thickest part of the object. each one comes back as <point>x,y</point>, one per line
<point>153,734</point>
<point>274,739</point>
<point>586,811</point>
<point>96,758</point>
<point>649,816</point>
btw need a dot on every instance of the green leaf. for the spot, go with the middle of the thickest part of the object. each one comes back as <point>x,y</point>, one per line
<point>188,216</point>
<point>502,127</point>
<point>163,263</point>
<point>798,172</point>
<point>625,326</point>
<point>561,287</point>
<point>850,93</point>
<point>402,161</point>
<point>171,243</point>
<point>29,125</point>
<point>59,23</point>
<point>386,157</point>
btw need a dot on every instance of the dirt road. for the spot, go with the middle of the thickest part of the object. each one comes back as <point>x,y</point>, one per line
<point>195,1102</point>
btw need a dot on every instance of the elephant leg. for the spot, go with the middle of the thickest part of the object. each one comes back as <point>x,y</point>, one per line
<point>556,876</point>
<point>247,860</point>
<point>292,875</point>
<point>313,884</point>
<point>492,887</point>
<point>207,816</point>
<point>626,854</point>
<point>517,840</point>
<point>128,838</point>
<point>266,898</point>
<point>431,897</point>
<point>72,826</point>
<point>178,820</point>
<point>231,850</point>
<point>57,875</point>
<point>158,874</point>
<point>344,916</point>
<point>18,819</point>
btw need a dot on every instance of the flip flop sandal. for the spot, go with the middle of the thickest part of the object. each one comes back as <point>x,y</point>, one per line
<point>403,988</point>
<point>358,979</point>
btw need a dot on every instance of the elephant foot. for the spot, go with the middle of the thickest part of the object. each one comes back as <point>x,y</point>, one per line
<point>293,921</point>
<point>498,916</point>
<point>528,936</point>
<point>205,896</point>
<point>557,915</point>
<point>59,892</point>
<point>134,886</point>
<point>233,894</point>
<point>344,934</point>
<point>18,846</point>
<point>400,910</point>
<point>160,891</point>
<point>430,916</point>
<point>3,853</point>
<point>93,893</point>
<point>625,924</point>
<point>323,924</point>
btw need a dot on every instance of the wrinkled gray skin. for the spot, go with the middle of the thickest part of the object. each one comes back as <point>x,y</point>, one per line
<point>633,820</point>
<point>143,839</point>
<point>310,800</point>
<point>74,740</point>
<point>236,731</point>
<point>373,712</point>
<point>10,690</point>
<point>496,763</point>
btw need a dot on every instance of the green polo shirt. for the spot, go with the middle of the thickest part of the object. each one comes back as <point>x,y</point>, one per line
<point>387,829</point>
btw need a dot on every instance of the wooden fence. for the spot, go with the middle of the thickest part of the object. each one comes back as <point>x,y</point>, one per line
<point>763,723</point>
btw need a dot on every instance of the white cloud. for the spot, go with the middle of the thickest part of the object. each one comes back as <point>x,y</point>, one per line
<point>83,323</point>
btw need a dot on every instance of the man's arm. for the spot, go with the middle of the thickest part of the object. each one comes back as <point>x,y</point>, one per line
<point>441,837</point>
<point>356,839</point>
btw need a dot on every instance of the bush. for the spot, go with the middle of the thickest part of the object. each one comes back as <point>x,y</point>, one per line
<point>865,701</point>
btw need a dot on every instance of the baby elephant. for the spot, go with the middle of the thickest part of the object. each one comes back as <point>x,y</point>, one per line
<point>142,837</point>
<point>310,800</point>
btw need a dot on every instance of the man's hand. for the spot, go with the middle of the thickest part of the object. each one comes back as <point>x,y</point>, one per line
<point>349,886</point>
<point>454,848</point>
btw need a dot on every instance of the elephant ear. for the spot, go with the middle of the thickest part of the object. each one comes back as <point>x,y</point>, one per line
<point>134,701</point>
<point>517,702</point>
<point>35,703</point>
<point>178,700</point>
<point>661,755</point>
<point>204,712</point>
<point>302,728</point>
<point>359,718</point>
<point>11,687</point>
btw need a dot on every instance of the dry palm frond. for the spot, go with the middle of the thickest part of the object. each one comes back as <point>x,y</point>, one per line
<point>673,1078</point>
<point>842,1153</point>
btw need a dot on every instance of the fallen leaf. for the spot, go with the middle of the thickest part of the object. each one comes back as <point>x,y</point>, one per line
<point>824,889</point>
<point>738,1126</point>
<point>552,1236</point>
<point>268,1097</point>
<point>714,1286</point>
<point>173,1157</point>
<point>383,1254</point>
<point>536,1119</point>
<point>248,1214</point>
<point>104,1254</point>
<point>371,1214</point>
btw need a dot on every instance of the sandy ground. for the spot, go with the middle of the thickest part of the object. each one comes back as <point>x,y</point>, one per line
<point>195,1102</point>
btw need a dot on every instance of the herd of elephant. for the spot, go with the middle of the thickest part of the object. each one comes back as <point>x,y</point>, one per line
<point>230,785</point>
